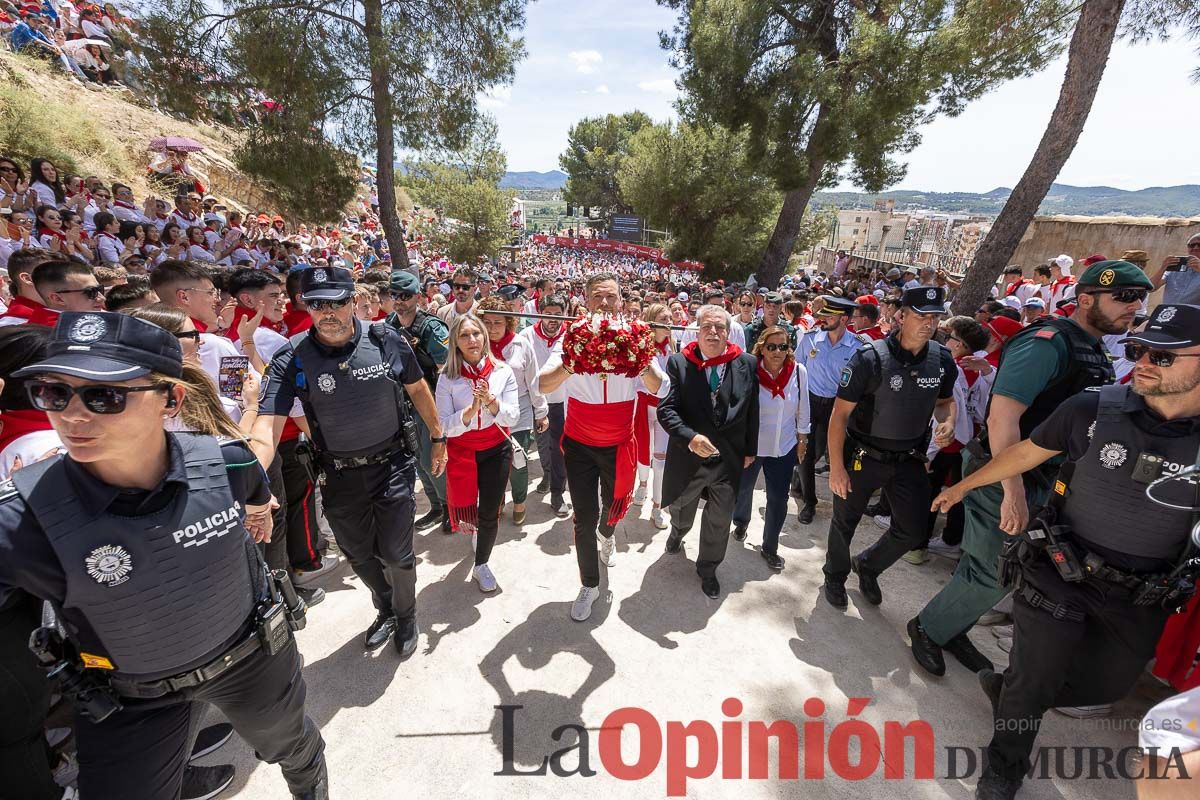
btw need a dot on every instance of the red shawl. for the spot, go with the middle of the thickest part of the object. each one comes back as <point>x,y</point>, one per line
<point>462,473</point>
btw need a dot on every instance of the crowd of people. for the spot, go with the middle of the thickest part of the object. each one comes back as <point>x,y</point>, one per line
<point>333,383</point>
<point>80,37</point>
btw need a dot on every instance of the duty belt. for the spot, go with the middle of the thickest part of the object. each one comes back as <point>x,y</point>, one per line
<point>147,690</point>
<point>1038,600</point>
<point>884,456</point>
<point>361,461</point>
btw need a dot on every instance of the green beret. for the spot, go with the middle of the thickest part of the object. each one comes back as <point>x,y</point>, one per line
<point>1114,274</point>
<point>404,281</point>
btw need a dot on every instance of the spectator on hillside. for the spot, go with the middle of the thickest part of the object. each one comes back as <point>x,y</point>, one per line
<point>44,179</point>
<point>14,188</point>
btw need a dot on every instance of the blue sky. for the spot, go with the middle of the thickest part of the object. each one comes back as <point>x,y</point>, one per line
<point>589,58</point>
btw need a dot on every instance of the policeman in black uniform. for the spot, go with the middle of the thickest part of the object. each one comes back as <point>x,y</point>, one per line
<point>878,435</point>
<point>355,382</point>
<point>1103,564</point>
<point>428,337</point>
<point>142,542</point>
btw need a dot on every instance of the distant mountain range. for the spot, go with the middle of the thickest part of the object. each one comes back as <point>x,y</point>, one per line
<point>534,180</point>
<point>1155,201</point>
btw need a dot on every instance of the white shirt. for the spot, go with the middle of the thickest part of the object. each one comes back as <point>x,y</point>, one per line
<point>1167,724</point>
<point>198,253</point>
<point>127,214</point>
<point>591,389</point>
<point>519,356</point>
<point>182,221</point>
<point>541,354</point>
<point>456,394</point>
<point>780,419</point>
<point>45,194</point>
<point>737,334</point>
<point>30,447</point>
<point>111,248</point>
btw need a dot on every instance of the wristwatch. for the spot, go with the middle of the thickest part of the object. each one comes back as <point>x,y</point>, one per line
<point>437,439</point>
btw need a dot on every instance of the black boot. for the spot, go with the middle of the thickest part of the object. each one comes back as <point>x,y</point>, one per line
<point>319,790</point>
<point>433,517</point>
<point>446,520</point>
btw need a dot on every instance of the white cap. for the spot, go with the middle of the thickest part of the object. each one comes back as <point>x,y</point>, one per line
<point>1035,302</point>
<point>683,297</point>
<point>1065,262</point>
<point>1012,302</point>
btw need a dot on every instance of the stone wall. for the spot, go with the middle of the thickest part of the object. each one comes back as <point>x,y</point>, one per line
<point>1080,237</point>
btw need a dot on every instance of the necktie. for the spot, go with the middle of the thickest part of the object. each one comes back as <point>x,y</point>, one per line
<point>714,379</point>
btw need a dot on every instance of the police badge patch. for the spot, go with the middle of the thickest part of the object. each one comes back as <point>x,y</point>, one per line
<point>1113,455</point>
<point>109,565</point>
<point>1166,315</point>
<point>320,276</point>
<point>88,329</point>
<point>326,383</point>
<point>844,380</point>
<point>896,383</point>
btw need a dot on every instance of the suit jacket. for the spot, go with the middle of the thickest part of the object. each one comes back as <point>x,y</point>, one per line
<point>731,425</point>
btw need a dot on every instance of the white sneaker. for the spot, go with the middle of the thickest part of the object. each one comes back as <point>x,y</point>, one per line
<point>639,494</point>
<point>328,564</point>
<point>484,577</point>
<point>608,547</point>
<point>939,548</point>
<point>659,519</point>
<point>994,617</point>
<point>882,521</point>
<point>581,609</point>
<point>1085,712</point>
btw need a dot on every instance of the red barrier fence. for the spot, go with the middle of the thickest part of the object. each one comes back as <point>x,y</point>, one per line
<point>610,246</point>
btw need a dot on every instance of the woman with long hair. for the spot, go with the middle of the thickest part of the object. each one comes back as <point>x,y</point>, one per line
<point>477,403</point>
<point>650,436</point>
<point>783,426</point>
<point>45,180</point>
<point>517,353</point>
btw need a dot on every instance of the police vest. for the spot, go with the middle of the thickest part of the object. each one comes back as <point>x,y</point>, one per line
<point>162,592</point>
<point>901,397</point>
<point>352,401</point>
<point>416,332</point>
<point>1088,365</point>
<point>1105,505</point>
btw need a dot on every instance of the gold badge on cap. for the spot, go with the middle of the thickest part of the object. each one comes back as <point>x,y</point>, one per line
<point>1107,277</point>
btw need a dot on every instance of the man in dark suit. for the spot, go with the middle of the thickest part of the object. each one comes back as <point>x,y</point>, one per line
<point>711,416</point>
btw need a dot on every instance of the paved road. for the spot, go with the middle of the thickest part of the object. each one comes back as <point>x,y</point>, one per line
<point>429,727</point>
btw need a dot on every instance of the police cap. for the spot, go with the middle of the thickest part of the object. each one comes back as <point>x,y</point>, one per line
<point>404,281</point>
<point>510,291</point>
<point>1114,275</point>
<point>106,346</point>
<point>326,283</point>
<point>773,297</point>
<point>1171,326</point>
<point>925,299</point>
<point>485,277</point>
<point>836,306</point>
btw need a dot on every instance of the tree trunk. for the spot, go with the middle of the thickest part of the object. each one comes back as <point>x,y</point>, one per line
<point>1086,59</point>
<point>385,137</point>
<point>787,229</point>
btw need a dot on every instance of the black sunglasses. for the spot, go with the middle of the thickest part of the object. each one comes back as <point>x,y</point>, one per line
<point>98,399</point>
<point>321,305</point>
<point>1124,295</point>
<point>91,292</point>
<point>462,287</point>
<point>193,335</point>
<point>1159,358</point>
<point>402,295</point>
<point>771,348</point>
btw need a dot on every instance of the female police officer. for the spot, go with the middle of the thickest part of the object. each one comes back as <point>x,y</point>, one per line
<point>142,541</point>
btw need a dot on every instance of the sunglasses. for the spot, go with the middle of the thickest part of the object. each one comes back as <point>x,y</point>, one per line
<point>91,292</point>
<point>462,287</point>
<point>193,335</point>
<point>402,295</point>
<point>771,348</point>
<point>333,305</point>
<point>746,305</point>
<point>1159,358</point>
<point>1124,295</point>
<point>101,399</point>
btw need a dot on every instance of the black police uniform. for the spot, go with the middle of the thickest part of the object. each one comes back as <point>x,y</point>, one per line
<point>1086,641</point>
<point>355,405</point>
<point>886,438</point>
<point>161,593</point>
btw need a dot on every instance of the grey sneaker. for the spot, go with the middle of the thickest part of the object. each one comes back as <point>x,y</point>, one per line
<point>659,519</point>
<point>994,617</point>
<point>1086,712</point>
<point>939,548</point>
<point>484,577</point>
<point>882,522</point>
<point>581,609</point>
<point>608,548</point>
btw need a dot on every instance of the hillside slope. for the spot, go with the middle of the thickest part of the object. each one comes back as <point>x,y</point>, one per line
<point>105,132</point>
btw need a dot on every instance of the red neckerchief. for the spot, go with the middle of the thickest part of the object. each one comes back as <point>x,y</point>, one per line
<point>240,313</point>
<point>971,375</point>
<point>664,346</point>
<point>478,374</point>
<point>200,326</point>
<point>498,347</point>
<point>779,383</point>
<point>184,216</point>
<point>62,237</point>
<point>691,351</point>
<point>32,312</point>
<point>549,340</point>
<point>123,204</point>
<point>21,422</point>
<point>1013,287</point>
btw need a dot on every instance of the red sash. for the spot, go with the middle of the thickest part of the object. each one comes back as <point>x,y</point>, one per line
<point>462,473</point>
<point>641,426</point>
<point>32,312</point>
<point>608,425</point>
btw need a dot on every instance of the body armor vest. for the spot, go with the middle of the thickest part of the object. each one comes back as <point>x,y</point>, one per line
<point>1105,505</point>
<point>351,401</point>
<point>903,397</point>
<point>1088,365</point>
<point>162,591</point>
<point>416,336</point>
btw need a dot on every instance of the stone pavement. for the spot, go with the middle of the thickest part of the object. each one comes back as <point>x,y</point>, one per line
<point>428,727</point>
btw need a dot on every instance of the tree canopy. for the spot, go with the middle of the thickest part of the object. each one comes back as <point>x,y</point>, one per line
<point>596,147</point>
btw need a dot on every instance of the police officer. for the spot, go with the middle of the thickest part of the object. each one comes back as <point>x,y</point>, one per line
<point>878,435</point>
<point>1110,563</point>
<point>429,339</point>
<point>352,380</point>
<point>772,315</point>
<point>144,543</point>
<point>823,353</point>
<point>1040,367</point>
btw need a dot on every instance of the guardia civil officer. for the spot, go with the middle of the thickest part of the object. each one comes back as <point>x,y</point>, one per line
<point>1041,366</point>
<point>823,353</point>
<point>878,435</point>
<point>143,541</point>
<point>429,340</point>
<point>1103,565</point>
<point>352,380</point>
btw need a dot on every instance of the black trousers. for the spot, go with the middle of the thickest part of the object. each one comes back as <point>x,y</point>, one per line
<point>492,468</point>
<point>306,544</point>
<point>24,704</point>
<point>906,486</point>
<point>591,472</point>
<point>712,483</point>
<point>275,552</point>
<point>550,451</point>
<point>820,409</point>
<point>946,465</point>
<point>141,751</point>
<point>1060,663</point>
<point>370,510</point>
